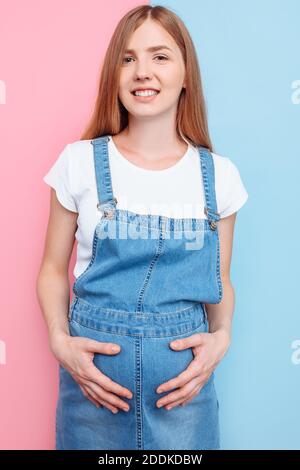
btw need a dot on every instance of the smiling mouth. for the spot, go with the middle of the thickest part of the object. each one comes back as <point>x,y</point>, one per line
<point>145,96</point>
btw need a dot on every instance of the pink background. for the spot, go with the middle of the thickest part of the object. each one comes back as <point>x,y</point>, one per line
<point>51,54</point>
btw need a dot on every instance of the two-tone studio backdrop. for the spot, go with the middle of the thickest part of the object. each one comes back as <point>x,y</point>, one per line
<point>250,63</point>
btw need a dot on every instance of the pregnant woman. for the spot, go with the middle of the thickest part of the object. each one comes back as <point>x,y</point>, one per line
<point>153,209</point>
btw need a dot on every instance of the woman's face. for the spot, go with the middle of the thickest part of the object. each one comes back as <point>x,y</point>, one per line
<point>161,69</point>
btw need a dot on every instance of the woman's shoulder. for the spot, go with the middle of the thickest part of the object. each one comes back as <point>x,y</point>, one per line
<point>76,162</point>
<point>80,157</point>
<point>70,172</point>
<point>225,167</point>
<point>221,162</point>
<point>78,149</point>
<point>230,188</point>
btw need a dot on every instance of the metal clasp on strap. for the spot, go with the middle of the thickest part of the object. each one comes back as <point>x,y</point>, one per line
<point>212,223</point>
<point>107,208</point>
<point>107,138</point>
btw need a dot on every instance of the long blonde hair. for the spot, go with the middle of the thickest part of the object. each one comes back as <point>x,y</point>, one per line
<point>111,117</point>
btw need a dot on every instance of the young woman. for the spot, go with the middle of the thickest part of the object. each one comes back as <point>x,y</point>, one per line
<point>153,210</point>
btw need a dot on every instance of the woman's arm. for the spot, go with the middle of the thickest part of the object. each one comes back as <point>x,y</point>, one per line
<point>53,290</point>
<point>220,315</point>
<point>75,354</point>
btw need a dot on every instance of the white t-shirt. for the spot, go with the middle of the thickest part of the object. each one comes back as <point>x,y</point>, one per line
<point>173,192</point>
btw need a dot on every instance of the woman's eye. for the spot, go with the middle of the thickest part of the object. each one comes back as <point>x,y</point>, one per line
<point>162,56</point>
<point>126,59</point>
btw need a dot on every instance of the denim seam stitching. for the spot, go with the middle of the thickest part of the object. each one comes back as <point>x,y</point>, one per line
<point>145,315</point>
<point>138,393</point>
<point>94,251</point>
<point>218,268</point>
<point>137,335</point>
<point>146,281</point>
<point>156,229</point>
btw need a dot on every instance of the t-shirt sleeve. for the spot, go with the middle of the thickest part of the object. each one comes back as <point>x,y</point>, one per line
<point>236,194</point>
<point>60,178</point>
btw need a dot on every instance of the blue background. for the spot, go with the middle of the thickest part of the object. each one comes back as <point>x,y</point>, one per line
<point>249,57</point>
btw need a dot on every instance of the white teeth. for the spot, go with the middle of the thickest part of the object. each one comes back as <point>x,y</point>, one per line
<point>145,93</point>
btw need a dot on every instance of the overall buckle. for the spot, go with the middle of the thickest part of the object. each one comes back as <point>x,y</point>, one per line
<point>212,223</point>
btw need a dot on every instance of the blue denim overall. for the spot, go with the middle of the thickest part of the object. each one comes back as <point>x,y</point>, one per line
<point>145,286</point>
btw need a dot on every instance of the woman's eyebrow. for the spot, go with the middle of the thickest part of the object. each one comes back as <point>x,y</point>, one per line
<point>150,49</point>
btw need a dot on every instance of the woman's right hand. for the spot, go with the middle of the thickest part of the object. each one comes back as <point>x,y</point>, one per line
<point>75,354</point>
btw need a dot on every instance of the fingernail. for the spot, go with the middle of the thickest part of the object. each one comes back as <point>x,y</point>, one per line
<point>115,348</point>
<point>175,343</point>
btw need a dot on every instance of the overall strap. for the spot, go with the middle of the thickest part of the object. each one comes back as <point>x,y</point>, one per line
<point>208,176</point>
<point>106,199</point>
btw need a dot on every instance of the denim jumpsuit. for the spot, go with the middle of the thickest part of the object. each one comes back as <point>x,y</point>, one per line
<point>145,286</point>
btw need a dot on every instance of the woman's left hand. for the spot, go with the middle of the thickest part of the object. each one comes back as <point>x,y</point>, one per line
<point>208,350</point>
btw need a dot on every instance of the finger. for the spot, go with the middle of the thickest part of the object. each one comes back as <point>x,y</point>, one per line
<point>191,396</point>
<point>188,398</point>
<point>179,394</point>
<point>104,403</point>
<point>89,397</point>
<point>95,375</point>
<point>194,340</point>
<point>180,402</point>
<point>183,378</point>
<point>111,399</point>
<point>196,391</point>
<point>92,345</point>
